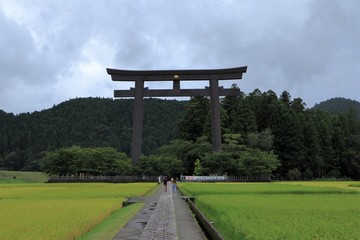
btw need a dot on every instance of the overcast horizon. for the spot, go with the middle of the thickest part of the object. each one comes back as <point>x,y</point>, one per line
<point>53,51</point>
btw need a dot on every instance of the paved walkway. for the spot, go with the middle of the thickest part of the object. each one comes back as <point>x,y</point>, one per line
<point>165,216</point>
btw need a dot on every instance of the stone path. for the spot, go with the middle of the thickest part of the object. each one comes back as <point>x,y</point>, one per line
<point>165,216</point>
<point>161,224</point>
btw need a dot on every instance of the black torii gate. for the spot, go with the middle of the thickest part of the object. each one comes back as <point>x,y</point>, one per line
<point>139,92</point>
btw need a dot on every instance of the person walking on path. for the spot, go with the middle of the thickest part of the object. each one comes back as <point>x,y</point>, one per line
<point>173,181</point>
<point>165,181</point>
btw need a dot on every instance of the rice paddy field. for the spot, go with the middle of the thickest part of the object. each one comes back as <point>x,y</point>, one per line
<point>280,210</point>
<point>60,211</point>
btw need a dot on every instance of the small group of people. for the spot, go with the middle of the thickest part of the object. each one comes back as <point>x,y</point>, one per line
<point>173,184</point>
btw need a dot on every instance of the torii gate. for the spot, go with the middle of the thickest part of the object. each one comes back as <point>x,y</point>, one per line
<point>139,92</point>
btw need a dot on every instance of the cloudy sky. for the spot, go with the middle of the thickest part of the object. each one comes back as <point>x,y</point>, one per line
<point>52,51</point>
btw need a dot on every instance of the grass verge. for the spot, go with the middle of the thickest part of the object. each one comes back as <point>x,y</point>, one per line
<point>22,177</point>
<point>109,227</point>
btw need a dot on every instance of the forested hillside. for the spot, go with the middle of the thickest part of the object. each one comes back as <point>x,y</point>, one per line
<point>339,105</point>
<point>86,122</point>
<point>262,134</point>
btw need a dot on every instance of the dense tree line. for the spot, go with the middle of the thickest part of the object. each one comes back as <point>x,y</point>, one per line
<point>308,143</point>
<point>85,122</point>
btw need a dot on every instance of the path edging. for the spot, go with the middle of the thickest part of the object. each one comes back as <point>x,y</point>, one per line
<point>208,228</point>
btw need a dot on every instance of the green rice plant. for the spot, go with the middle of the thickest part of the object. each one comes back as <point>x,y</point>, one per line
<point>354,185</point>
<point>53,218</point>
<point>281,210</point>
<point>284,216</point>
<point>197,189</point>
<point>60,211</point>
<point>348,185</point>
<point>74,190</point>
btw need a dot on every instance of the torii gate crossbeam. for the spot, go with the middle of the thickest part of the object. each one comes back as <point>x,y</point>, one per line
<point>139,92</point>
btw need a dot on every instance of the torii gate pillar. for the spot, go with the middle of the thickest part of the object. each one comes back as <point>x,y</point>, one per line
<point>139,92</point>
<point>138,113</point>
<point>215,115</point>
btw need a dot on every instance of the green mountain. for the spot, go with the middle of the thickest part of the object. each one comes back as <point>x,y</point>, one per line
<point>87,122</point>
<point>339,105</point>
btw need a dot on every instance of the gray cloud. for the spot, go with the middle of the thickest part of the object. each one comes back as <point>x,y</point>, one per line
<point>19,57</point>
<point>52,51</point>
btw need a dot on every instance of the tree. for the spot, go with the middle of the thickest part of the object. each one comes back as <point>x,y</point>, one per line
<point>313,162</point>
<point>237,159</point>
<point>241,118</point>
<point>219,163</point>
<point>224,119</point>
<point>187,152</point>
<point>298,105</point>
<point>230,105</point>
<point>12,161</point>
<point>338,145</point>
<point>270,109</point>
<point>288,139</point>
<point>254,162</point>
<point>156,165</point>
<point>90,161</point>
<point>293,174</point>
<point>285,98</point>
<point>323,126</point>
<point>110,162</point>
<point>198,170</point>
<point>263,140</point>
<point>191,126</point>
<point>62,162</point>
